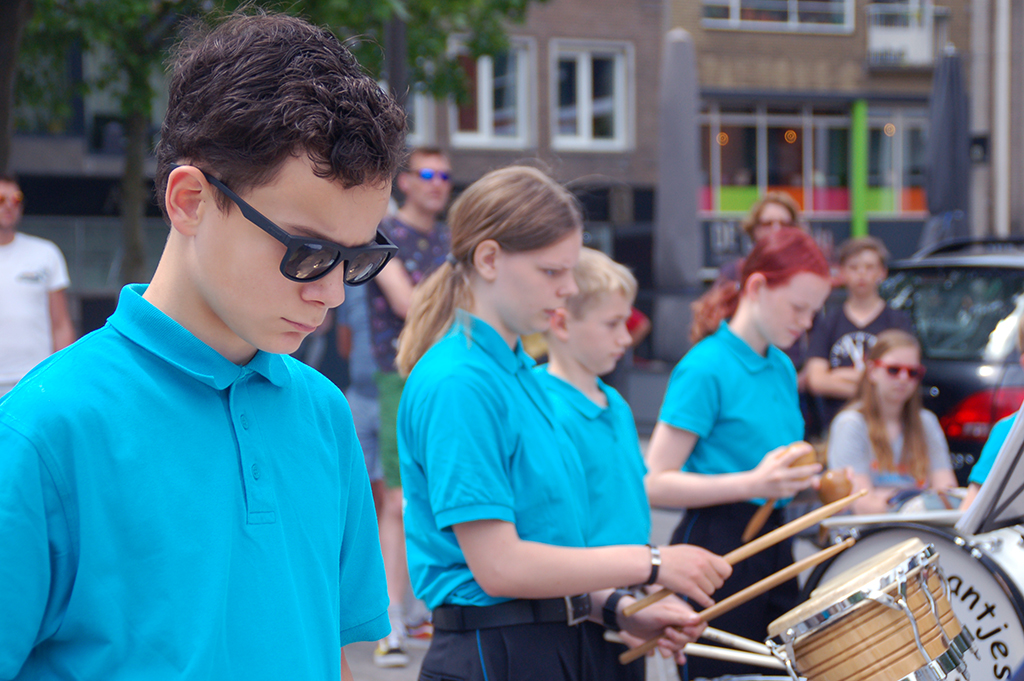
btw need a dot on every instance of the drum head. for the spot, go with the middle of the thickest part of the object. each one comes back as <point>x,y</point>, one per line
<point>984,597</point>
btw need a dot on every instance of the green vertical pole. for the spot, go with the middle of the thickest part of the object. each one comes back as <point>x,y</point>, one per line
<point>859,168</point>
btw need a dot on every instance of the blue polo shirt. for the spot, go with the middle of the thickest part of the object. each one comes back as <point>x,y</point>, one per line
<point>740,404</point>
<point>478,440</point>
<point>609,448</point>
<point>167,514</point>
<point>996,438</point>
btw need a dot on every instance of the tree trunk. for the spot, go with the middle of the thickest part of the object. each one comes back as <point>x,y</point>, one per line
<point>133,198</point>
<point>14,15</point>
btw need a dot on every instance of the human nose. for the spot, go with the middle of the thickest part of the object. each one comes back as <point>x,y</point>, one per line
<point>624,339</point>
<point>329,289</point>
<point>569,287</point>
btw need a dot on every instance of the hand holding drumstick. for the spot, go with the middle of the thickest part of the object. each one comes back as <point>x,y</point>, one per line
<point>783,472</point>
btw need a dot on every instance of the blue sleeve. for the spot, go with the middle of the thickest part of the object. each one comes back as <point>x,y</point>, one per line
<point>35,550</point>
<point>363,587</point>
<point>466,452</point>
<point>990,451</point>
<point>693,395</point>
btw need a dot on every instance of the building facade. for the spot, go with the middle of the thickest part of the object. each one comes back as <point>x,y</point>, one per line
<point>824,100</point>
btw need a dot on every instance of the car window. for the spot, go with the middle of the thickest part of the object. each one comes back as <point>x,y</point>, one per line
<point>961,313</point>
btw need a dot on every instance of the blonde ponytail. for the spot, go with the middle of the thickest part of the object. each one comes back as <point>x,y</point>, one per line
<point>520,208</point>
<point>434,303</point>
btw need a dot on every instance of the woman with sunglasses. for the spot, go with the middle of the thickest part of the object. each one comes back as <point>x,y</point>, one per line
<point>884,437</point>
<point>496,511</point>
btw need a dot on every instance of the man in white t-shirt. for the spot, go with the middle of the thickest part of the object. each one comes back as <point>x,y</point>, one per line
<point>34,318</point>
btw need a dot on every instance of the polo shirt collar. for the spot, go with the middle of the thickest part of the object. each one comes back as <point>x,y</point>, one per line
<point>751,359</point>
<point>482,334</point>
<point>571,394</point>
<point>142,323</point>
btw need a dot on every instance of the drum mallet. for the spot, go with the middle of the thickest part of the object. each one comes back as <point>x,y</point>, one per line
<point>759,518</point>
<point>760,544</point>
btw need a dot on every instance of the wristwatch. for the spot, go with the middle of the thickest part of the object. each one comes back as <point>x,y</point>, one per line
<point>609,612</point>
<point>655,563</point>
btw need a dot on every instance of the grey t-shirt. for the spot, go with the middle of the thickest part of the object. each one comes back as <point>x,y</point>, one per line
<point>849,446</point>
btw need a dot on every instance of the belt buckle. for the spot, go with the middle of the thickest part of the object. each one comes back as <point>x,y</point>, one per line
<point>576,611</point>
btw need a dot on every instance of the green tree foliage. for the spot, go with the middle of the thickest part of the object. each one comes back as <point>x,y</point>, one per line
<point>133,37</point>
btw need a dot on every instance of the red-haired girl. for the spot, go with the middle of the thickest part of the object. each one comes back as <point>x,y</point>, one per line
<point>731,409</point>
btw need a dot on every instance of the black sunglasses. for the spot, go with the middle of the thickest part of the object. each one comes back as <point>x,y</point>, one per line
<point>309,259</point>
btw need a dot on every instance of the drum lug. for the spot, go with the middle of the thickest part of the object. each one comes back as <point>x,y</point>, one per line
<point>785,654</point>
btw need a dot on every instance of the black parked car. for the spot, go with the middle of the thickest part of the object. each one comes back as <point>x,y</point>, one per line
<point>966,298</point>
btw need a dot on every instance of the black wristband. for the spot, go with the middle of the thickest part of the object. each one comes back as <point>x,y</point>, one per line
<point>655,563</point>
<point>608,612</point>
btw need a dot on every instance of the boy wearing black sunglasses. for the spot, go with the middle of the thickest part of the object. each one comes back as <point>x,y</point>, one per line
<point>179,498</point>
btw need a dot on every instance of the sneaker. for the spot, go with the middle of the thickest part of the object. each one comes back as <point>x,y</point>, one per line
<point>422,631</point>
<point>389,654</point>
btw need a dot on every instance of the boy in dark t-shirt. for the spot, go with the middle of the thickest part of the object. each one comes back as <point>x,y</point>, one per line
<point>841,340</point>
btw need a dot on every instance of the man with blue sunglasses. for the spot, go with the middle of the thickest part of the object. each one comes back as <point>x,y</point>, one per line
<point>423,242</point>
<point>179,499</point>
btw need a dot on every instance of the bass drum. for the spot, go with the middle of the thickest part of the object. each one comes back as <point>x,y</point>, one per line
<point>984,576</point>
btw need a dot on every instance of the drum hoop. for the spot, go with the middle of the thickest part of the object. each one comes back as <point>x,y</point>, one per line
<point>873,591</point>
<point>1010,588</point>
<point>953,658</point>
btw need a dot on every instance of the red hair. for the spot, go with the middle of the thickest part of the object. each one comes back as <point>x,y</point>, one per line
<point>778,258</point>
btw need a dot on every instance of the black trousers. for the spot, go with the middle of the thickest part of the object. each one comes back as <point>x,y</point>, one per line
<point>525,652</point>
<point>601,658</point>
<point>718,529</point>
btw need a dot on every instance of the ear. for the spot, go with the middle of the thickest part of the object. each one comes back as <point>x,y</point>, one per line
<point>755,283</point>
<point>485,259</point>
<point>183,198</point>
<point>559,326</point>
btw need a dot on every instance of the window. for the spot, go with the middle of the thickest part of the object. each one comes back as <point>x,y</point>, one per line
<point>798,16</point>
<point>496,114</point>
<point>591,97</point>
<point>420,119</point>
<point>896,161</point>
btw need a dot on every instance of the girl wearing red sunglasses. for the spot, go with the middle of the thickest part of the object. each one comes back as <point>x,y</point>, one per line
<point>884,438</point>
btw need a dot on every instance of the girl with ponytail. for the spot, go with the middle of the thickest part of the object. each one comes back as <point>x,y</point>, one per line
<point>721,448</point>
<point>496,500</point>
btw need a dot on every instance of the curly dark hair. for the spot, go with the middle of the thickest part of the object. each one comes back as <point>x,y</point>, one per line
<point>256,89</point>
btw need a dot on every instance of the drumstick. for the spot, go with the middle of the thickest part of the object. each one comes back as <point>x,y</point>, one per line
<point>758,520</point>
<point>760,544</point>
<point>716,653</point>
<point>738,642</point>
<point>752,591</point>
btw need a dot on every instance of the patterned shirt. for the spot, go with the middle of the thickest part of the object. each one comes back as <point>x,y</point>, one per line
<point>421,254</point>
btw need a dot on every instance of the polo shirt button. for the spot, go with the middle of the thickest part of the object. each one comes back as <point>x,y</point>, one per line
<point>255,471</point>
<point>245,422</point>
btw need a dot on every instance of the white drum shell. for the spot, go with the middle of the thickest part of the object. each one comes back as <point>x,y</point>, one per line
<point>984,577</point>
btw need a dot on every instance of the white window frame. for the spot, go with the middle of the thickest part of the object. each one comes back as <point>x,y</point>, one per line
<point>792,25</point>
<point>422,107</point>
<point>625,100</point>
<point>484,137</point>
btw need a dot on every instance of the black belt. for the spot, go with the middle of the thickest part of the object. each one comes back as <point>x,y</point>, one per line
<point>570,610</point>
